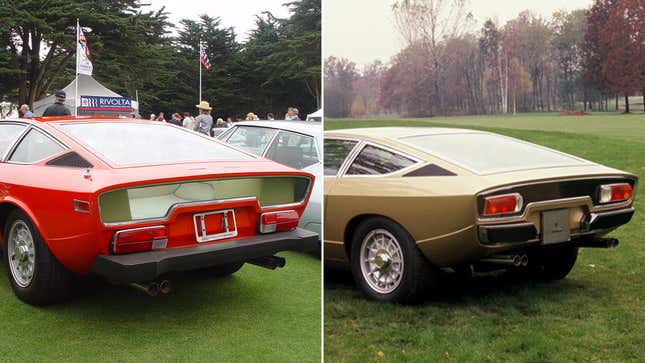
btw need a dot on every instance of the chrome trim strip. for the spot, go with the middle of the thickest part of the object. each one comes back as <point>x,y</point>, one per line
<point>22,136</point>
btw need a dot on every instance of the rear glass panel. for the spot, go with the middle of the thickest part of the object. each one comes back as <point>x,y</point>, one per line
<point>155,201</point>
<point>124,143</point>
<point>484,153</point>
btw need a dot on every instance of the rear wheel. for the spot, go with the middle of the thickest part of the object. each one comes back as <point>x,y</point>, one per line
<point>387,264</point>
<point>553,262</point>
<point>35,274</point>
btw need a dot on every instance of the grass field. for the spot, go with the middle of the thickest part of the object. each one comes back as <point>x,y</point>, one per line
<point>596,314</point>
<point>255,315</point>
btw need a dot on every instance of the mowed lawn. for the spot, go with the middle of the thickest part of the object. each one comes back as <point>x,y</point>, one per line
<point>596,314</point>
<point>255,315</point>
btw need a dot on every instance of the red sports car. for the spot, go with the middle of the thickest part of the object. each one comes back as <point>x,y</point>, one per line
<point>132,200</point>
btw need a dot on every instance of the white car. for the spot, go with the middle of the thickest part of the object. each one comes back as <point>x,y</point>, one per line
<point>293,143</point>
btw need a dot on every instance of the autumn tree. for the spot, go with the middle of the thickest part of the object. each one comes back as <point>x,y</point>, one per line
<point>340,75</point>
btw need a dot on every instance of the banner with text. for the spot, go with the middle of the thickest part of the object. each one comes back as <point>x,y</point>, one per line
<point>106,104</point>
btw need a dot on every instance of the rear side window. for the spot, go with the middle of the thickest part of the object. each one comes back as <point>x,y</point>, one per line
<point>296,150</point>
<point>34,147</point>
<point>376,161</point>
<point>252,139</point>
<point>8,135</point>
<point>336,152</point>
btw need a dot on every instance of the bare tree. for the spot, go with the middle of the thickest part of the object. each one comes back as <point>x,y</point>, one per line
<point>428,23</point>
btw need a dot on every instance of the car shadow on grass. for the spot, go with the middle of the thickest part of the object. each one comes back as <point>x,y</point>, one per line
<point>454,289</point>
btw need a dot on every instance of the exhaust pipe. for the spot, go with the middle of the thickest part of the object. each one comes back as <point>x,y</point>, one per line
<point>150,288</point>
<point>599,243</point>
<point>270,262</point>
<point>165,287</point>
<point>512,260</point>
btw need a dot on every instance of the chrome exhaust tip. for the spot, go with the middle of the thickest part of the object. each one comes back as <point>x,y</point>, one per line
<point>517,260</point>
<point>165,287</point>
<point>150,288</point>
<point>525,260</point>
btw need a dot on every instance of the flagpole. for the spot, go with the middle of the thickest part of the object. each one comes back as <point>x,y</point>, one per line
<point>76,82</point>
<point>199,58</point>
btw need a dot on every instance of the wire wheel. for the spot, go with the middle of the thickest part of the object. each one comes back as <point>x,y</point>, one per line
<point>381,260</point>
<point>22,253</point>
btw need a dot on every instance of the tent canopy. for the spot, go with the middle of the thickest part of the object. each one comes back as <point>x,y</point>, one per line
<point>87,86</point>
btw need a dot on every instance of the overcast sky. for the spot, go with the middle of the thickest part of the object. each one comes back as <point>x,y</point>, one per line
<point>240,14</point>
<point>363,30</point>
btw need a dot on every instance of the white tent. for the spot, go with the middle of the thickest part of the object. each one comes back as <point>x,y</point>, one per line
<point>87,86</point>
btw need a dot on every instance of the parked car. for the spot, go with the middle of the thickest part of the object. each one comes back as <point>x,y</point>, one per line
<point>292,143</point>
<point>132,200</point>
<point>400,203</point>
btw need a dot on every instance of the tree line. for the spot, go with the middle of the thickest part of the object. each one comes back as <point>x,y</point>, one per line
<point>134,50</point>
<point>576,60</point>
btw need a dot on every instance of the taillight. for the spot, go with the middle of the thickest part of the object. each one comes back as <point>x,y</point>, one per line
<point>278,221</point>
<point>615,192</point>
<point>502,204</point>
<point>139,239</point>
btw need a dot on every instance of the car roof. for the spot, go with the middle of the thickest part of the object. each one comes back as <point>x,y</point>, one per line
<point>303,127</point>
<point>397,133</point>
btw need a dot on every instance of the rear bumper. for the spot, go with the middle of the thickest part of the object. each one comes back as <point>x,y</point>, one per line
<point>147,266</point>
<point>527,232</point>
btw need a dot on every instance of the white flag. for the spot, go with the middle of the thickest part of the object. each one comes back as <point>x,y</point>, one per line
<point>83,64</point>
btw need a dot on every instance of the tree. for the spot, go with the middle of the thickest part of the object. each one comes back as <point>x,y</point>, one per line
<point>41,39</point>
<point>568,30</point>
<point>340,75</point>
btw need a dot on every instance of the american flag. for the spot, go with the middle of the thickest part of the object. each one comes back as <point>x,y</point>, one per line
<point>204,57</point>
<point>82,42</point>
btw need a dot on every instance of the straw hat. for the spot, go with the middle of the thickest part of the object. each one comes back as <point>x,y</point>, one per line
<point>204,106</point>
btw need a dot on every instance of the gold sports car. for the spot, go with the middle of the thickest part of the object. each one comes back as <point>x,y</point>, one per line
<point>402,202</point>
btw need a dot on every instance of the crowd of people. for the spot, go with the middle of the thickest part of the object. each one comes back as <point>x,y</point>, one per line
<point>204,122</point>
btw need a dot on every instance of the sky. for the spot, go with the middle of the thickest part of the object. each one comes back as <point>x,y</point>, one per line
<point>364,30</point>
<point>240,14</point>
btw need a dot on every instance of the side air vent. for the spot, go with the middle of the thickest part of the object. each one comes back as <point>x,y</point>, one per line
<point>431,170</point>
<point>71,159</point>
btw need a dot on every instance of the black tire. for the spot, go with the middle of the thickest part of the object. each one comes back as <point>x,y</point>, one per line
<point>418,276</point>
<point>219,270</point>
<point>551,263</point>
<point>51,281</point>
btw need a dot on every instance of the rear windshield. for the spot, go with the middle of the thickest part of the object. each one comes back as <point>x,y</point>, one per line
<point>124,143</point>
<point>484,153</point>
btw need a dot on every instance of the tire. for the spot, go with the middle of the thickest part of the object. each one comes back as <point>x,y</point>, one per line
<point>553,262</point>
<point>397,260</point>
<point>219,270</point>
<point>49,282</point>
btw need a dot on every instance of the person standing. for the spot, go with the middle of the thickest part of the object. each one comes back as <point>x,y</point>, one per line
<point>270,117</point>
<point>175,120</point>
<point>58,108</point>
<point>24,111</point>
<point>204,122</point>
<point>189,121</point>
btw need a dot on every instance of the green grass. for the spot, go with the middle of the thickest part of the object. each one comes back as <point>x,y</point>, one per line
<point>596,314</point>
<point>255,315</point>
<point>626,127</point>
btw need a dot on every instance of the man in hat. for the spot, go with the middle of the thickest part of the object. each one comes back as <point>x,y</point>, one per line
<point>58,108</point>
<point>204,122</point>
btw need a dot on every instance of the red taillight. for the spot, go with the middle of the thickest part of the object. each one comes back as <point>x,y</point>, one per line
<point>615,192</point>
<point>139,239</point>
<point>278,221</point>
<point>502,204</point>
